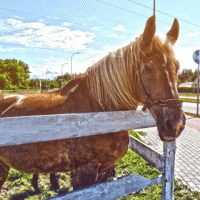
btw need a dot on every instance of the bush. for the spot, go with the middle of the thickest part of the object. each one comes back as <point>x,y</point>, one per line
<point>187,90</point>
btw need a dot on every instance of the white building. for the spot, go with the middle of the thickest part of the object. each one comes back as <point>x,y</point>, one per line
<point>195,83</point>
<point>187,84</point>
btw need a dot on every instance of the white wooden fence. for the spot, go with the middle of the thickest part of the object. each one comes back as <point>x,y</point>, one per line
<point>20,130</point>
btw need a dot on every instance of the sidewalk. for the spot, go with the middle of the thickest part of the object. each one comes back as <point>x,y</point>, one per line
<point>188,97</point>
<point>187,163</point>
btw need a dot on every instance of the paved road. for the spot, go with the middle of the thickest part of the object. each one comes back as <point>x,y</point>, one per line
<point>187,107</point>
<point>190,107</point>
<point>188,97</point>
<point>187,164</point>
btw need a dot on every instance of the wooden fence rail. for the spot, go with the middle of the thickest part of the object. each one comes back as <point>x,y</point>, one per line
<point>21,130</point>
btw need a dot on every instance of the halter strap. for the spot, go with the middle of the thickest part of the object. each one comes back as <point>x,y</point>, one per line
<point>149,102</point>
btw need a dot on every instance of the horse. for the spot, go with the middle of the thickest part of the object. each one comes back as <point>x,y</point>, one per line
<point>144,71</point>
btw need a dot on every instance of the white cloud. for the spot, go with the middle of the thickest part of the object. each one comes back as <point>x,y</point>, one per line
<point>114,35</point>
<point>95,28</point>
<point>119,28</point>
<point>66,24</point>
<point>185,57</point>
<point>38,34</point>
<point>193,34</point>
<point>11,49</point>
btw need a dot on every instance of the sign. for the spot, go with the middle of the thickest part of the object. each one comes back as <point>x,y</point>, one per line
<point>196,56</point>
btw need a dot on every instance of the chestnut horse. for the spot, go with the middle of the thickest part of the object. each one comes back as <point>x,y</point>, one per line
<point>143,71</point>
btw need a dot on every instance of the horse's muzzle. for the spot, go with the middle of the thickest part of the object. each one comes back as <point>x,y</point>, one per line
<point>170,123</point>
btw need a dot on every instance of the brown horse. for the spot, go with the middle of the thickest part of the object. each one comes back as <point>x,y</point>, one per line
<point>143,71</point>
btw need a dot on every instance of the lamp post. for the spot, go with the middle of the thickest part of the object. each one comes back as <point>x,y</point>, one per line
<point>46,75</point>
<point>62,73</point>
<point>71,62</point>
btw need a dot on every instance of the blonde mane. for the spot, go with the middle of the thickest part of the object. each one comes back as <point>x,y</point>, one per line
<point>112,80</point>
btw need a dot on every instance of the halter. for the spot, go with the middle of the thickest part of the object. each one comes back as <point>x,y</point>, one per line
<point>149,103</point>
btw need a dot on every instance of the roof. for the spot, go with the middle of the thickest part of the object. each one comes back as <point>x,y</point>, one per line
<point>187,84</point>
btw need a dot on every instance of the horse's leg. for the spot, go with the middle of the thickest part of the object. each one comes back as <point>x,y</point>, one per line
<point>35,184</point>
<point>84,176</point>
<point>54,182</point>
<point>104,174</point>
<point>4,170</point>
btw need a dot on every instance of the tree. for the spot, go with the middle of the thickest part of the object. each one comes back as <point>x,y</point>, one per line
<point>13,74</point>
<point>186,75</point>
<point>63,79</point>
<point>53,84</point>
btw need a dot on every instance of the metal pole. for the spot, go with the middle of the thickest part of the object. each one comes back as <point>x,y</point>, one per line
<point>71,66</point>
<point>71,62</point>
<point>198,88</point>
<point>62,76</point>
<point>46,76</point>
<point>62,73</point>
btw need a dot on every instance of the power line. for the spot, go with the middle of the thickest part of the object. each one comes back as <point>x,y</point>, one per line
<point>80,24</point>
<point>148,16</point>
<point>163,13</point>
<point>122,9</point>
<point>60,20</point>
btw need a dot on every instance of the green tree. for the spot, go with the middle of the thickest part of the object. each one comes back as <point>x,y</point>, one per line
<point>53,84</point>
<point>13,74</point>
<point>186,75</point>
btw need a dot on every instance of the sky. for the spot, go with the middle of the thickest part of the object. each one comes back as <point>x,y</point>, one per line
<point>48,34</point>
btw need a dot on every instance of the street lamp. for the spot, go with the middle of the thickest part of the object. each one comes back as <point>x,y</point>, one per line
<point>71,62</point>
<point>46,74</point>
<point>62,73</point>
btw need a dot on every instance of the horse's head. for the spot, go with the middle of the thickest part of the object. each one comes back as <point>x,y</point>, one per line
<point>157,80</point>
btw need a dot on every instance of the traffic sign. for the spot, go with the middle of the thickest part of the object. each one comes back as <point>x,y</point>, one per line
<point>196,56</point>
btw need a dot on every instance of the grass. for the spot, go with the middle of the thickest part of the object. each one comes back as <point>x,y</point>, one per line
<point>19,91</point>
<point>192,115</point>
<point>18,185</point>
<point>188,94</point>
<point>188,100</point>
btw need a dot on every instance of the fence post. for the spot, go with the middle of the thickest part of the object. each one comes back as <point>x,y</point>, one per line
<point>169,149</point>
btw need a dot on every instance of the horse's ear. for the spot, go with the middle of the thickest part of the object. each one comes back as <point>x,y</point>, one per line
<point>148,34</point>
<point>172,35</point>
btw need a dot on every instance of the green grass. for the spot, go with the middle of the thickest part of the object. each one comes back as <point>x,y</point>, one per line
<point>192,115</point>
<point>18,91</point>
<point>18,185</point>
<point>188,100</point>
<point>188,94</point>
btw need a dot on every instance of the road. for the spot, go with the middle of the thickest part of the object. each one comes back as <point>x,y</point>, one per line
<point>187,107</point>
<point>190,107</point>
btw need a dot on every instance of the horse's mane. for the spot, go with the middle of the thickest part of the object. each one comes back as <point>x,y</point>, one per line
<point>112,80</point>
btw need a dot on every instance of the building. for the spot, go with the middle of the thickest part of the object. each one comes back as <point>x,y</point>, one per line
<point>195,83</point>
<point>186,85</point>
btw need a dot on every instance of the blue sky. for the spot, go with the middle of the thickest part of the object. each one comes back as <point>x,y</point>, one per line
<point>44,34</point>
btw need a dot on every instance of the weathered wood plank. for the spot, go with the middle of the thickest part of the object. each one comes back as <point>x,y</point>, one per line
<point>20,130</point>
<point>111,189</point>
<point>150,155</point>
<point>169,149</point>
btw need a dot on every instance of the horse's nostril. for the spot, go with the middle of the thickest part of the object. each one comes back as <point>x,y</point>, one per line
<point>169,124</point>
<point>181,129</point>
